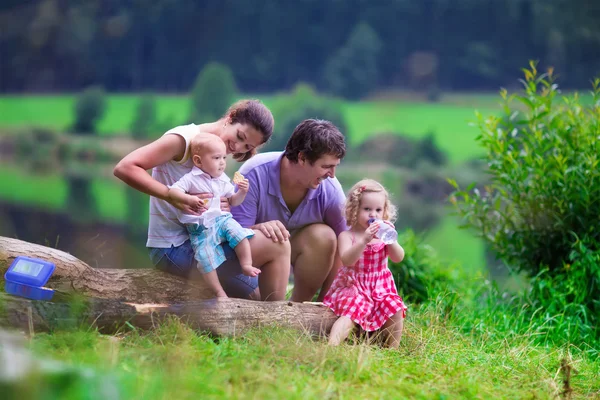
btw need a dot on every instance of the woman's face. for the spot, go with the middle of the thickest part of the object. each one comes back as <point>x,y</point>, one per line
<point>241,138</point>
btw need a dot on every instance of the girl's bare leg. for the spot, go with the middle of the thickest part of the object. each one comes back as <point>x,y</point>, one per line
<point>392,329</point>
<point>340,330</point>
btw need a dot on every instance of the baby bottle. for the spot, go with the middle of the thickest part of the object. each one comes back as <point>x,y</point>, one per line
<point>386,233</point>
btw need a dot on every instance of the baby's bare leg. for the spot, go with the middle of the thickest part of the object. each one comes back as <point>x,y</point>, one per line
<point>212,280</point>
<point>340,330</point>
<point>244,255</point>
<point>392,329</point>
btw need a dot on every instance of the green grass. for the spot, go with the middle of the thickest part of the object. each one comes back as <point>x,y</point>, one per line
<point>457,245</point>
<point>437,359</point>
<point>449,123</point>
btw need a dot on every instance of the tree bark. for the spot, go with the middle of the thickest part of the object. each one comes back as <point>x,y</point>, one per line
<point>219,316</point>
<point>141,298</point>
<point>134,285</point>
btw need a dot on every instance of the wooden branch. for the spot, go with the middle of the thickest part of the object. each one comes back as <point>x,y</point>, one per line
<point>134,285</point>
<point>218,316</point>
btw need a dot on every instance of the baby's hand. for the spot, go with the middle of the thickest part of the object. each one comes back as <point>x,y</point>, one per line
<point>243,185</point>
<point>371,231</point>
<point>196,204</point>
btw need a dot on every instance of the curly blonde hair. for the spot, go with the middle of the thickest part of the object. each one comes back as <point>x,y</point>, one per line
<point>355,195</point>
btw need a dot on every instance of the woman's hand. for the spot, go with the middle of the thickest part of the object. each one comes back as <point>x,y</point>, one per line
<point>194,204</point>
<point>225,206</point>
<point>274,230</point>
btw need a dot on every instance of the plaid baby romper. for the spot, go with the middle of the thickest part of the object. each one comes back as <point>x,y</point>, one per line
<point>365,292</point>
<point>206,242</point>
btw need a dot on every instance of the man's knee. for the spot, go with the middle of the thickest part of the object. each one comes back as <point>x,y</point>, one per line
<point>278,249</point>
<point>320,236</point>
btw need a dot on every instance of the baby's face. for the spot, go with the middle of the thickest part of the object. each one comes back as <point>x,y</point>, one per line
<point>213,159</point>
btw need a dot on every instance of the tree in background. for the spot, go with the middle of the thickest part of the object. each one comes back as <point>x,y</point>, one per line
<point>213,92</point>
<point>89,109</point>
<point>303,104</point>
<point>352,71</point>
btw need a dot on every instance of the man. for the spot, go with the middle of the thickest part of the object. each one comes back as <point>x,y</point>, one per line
<point>295,196</point>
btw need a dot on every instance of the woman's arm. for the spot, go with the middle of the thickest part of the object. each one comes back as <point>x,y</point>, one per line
<point>132,168</point>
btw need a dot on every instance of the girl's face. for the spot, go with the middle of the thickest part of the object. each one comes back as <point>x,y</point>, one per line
<point>241,138</point>
<point>372,205</point>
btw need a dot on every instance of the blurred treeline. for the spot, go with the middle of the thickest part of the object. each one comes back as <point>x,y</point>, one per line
<point>348,48</point>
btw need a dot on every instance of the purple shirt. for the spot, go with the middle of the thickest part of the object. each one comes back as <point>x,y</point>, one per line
<point>264,201</point>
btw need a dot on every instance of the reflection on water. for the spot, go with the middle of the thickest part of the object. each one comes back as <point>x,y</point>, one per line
<point>99,220</point>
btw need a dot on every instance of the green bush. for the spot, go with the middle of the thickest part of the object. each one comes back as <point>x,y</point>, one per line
<point>213,92</point>
<point>89,109</point>
<point>421,275</point>
<point>540,213</point>
<point>303,104</point>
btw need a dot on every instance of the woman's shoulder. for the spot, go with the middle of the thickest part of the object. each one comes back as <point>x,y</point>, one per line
<point>184,129</point>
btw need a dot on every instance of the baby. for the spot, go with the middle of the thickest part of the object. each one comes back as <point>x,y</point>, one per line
<point>213,227</point>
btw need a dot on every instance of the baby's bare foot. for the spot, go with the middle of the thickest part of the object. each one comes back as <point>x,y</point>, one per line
<point>249,270</point>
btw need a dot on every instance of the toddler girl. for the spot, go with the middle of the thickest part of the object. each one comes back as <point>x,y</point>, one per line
<point>363,291</point>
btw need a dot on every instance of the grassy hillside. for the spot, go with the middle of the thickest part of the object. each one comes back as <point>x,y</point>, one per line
<point>437,359</point>
<point>448,121</point>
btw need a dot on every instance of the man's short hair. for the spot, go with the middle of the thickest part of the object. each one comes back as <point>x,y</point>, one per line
<point>315,138</point>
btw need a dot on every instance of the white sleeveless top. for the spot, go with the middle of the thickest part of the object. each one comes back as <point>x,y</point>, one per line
<point>164,229</point>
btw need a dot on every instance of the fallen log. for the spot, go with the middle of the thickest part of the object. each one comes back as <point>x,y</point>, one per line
<point>113,299</point>
<point>219,316</point>
<point>74,275</point>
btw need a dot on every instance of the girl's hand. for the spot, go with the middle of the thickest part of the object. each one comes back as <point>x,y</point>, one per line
<point>243,185</point>
<point>370,232</point>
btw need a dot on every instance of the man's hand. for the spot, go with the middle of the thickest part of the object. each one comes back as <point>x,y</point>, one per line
<point>274,230</point>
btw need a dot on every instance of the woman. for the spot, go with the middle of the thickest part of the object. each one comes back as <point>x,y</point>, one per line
<point>244,127</point>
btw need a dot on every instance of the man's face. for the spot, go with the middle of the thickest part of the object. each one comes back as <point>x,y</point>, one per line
<point>321,169</point>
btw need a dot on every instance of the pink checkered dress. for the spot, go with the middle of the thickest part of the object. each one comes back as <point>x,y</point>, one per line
<point>365,292</point>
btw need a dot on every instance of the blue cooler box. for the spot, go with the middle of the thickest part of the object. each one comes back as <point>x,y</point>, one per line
<point>26,277</point>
